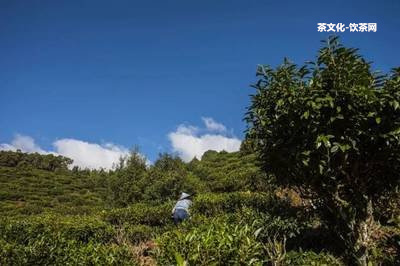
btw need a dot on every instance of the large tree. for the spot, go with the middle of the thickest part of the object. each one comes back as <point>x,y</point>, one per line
<point>332,130</point>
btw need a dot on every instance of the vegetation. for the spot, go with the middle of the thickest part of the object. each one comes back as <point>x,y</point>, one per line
<point>315,183</point>
<point>332,130</point>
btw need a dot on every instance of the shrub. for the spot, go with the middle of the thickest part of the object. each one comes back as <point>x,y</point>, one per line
<point>45,250</point>
<point>82,229</point>
<point>331,128</point>
<point>211,204</point>
<point>148,214</point>
<point>295,258</point>
<point>136,233</point>
<point>214,243</point>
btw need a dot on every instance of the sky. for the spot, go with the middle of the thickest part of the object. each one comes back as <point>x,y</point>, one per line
<point>92,79</point>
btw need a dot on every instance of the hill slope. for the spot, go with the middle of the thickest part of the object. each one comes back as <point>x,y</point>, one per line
<point>122,217</point>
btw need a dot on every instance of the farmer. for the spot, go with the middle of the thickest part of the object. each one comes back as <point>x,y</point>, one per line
<point>181,210</point>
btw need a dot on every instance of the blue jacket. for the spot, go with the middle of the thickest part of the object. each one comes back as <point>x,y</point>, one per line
<point>183,203</point>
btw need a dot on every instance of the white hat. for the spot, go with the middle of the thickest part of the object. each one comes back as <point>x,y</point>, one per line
<point>184,196</point>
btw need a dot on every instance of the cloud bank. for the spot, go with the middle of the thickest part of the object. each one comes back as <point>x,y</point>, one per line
<point>90,155</point>
<point>84,154</point>
<point>188,141</point>
<point>23,143</point>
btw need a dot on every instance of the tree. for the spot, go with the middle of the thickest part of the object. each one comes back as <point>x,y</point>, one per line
<point>168,178</point>
<point>47,162</point>
<point>331,129</point>
<point>125,182</point>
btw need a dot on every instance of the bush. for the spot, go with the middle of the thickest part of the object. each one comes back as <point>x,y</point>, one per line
<point>82,229</point>
<point>45,250</point>
<point>140,213</point>
<point>138,233</point>
<point>214,243</point>
<point>211,204</point>
<point>295,258</point>
<point>331,128</point>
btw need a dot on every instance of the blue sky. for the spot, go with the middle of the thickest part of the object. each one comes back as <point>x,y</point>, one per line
<point>137,72</point>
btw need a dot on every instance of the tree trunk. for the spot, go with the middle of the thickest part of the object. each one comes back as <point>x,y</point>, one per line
<point>363,236</point>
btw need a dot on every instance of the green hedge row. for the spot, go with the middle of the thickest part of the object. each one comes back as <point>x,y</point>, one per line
<point>219,241</point>
<point>211,204</point>
<point>46,250</point>
<point>140,213</point>
<point>82,229</point>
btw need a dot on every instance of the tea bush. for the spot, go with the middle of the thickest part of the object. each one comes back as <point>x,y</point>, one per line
<point>45,250</point>
<point>138,233</point>
<point>151,214</point>
<point>213,243</point>
<point>78,228</point>
<point>215,203</point>
<point>295,258</point>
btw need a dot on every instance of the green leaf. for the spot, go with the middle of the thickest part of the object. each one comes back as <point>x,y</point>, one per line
<point>396,105</point>
<point>179,260</point>
<point>334,148</point>
<point>321,169</point>
<point>318,144</point>
<point>257,232</point>
<point>378,120</point>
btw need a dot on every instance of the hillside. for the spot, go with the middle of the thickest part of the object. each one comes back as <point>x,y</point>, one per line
<point>122,217</point>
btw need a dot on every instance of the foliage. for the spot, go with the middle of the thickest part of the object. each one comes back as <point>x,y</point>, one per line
<point>334,135</point>
<point>212,204</point>
<point>58,251</point>
<point>214,243</point>
<point>59,240</point>
<point>141,213</point>
<point>48,162</point>
<point>228,172</point>
<point>124,183</point>
<point>310,258</point>
<point>28,192</point>
<point>80,228</point>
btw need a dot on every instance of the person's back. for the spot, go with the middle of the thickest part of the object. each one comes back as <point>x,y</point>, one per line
<point>181,210</point>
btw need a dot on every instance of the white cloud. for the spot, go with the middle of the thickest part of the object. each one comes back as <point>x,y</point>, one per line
<point>187,130</point>
<point>212,125</point>
<point>189,144</point>
<point>84,154</point>
<point>90,155</point>
<point>23,143</point>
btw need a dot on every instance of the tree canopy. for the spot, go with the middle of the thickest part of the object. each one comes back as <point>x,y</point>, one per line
<point>331,129</point>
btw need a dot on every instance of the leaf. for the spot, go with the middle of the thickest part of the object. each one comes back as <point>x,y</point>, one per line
<point>318,144</point>
<point>179,260</point>
<point>257,232</point>
<point>378,120</point>
<point>344,147</point>
<point>334,148</point>
<point>396,105</point>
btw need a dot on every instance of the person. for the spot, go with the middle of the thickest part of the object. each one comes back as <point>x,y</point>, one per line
<point>181,210</point>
